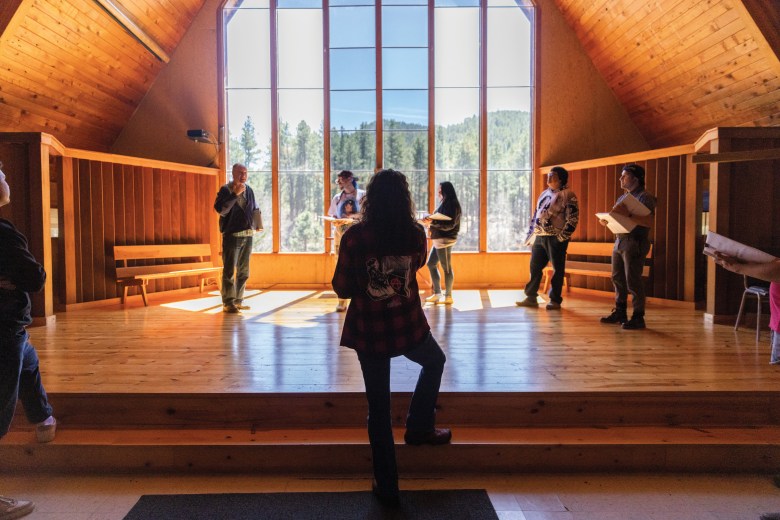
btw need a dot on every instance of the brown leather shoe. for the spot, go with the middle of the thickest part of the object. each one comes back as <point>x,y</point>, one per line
<point>434,437</point>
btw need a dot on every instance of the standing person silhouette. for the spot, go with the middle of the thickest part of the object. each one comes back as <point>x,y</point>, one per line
<point>237,210</point>
<point>631,249</point>
<point>444,235</point>
<point>20,376</point>
<point>377,265</point>
<point>350,195</point>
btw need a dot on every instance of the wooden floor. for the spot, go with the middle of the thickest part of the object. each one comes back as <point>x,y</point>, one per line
<point>288,342</point>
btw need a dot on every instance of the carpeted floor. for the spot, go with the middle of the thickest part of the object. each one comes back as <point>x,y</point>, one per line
<point>457,504</point>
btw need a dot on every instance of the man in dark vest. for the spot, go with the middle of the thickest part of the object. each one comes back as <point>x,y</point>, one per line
<point>238,221</point>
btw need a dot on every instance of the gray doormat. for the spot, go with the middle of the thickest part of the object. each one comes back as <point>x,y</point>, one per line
<point>455,504</point>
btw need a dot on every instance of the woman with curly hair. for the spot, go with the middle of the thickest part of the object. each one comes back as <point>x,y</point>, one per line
<point>377,265</point>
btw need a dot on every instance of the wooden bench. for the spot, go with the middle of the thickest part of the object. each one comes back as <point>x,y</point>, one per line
<point>199,264</point>
<point>596,268</point>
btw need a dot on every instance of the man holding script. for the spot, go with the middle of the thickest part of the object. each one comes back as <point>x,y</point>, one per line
<point>630,219</point>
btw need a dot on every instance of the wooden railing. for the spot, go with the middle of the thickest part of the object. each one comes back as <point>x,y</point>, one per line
<point>671,177</point>
<point>100,200</point>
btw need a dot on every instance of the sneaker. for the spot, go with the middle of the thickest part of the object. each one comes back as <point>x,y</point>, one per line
<point>386,498</point>
<point>447,300</point>
<point>434,298</point>
<point>553,306</point>
<point>11,508</point>
<point>528,302</point>
<point>242,307</point>
<point>342,306</point>
<point>231,309</point>
<point>434,437</point>
<point>617,316</point>
<point>45,431</point>
<point>635,323</point>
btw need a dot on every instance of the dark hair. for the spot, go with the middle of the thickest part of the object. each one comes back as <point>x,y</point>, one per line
<point>346,174</point>
<point>637,171</point>
<point>562,174</point>
<point>448,191</point>
<point>388,210</point>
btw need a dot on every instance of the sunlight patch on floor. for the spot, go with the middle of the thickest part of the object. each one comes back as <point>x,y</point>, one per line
<point>466,301</point>
<point>272,301</point>
<point>503,297</point>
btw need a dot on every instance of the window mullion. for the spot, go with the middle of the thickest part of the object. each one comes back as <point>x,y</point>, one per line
<point>326,116</point>
<point>277,218</point>
<point>379,117</point>
<point>483,126</point>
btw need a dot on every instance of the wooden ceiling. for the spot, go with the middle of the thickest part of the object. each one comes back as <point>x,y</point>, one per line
<point>680,67</point>
<point>69,69</point>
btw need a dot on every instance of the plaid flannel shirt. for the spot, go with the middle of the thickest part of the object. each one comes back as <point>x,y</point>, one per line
<point>385,317</point>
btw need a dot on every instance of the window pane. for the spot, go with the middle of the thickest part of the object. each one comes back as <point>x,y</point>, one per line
<point>457,47</point>
<point>353,110</point>
<point>466,184</point>
<point>260,182</point>
<point>405,150</point>
<point>247,48</point>
<point>405,26</point>
<point>300,130</point>
<point>352,27</point>
<point>509,128</point>
<point>456,3</point>
<point>509,201</point>
<point>299,39</point>
<point>298,4</point>
<point>405,68</point>
<point>353,151</point>
<point>352,69</point>
<point>249,128</point>
<point>457,129</point>
<point>350,2</point>
<point>300,201</point>
<point>404,2</point>
<point>509,48</point>
<point>251,4</point>
<point>406,106</point>
<point>418,185</point>
<point>527,4</point>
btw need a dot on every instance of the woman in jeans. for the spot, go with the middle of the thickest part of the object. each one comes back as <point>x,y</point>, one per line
<point>377,265</point>
<point>444,234</point>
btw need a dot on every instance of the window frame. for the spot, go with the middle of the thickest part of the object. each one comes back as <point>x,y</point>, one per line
<point>528,6</point>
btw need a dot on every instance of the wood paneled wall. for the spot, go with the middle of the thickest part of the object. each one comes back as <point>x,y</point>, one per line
<point>124,204</point>
<point>100,200</point>
<point>597,186</point>
<point>744,203</point>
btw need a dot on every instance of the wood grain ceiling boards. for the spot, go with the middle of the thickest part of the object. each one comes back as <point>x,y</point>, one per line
<point>680,67</point>
<point>67,68</point>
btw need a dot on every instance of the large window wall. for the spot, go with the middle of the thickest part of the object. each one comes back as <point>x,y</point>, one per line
<point>441,90</point>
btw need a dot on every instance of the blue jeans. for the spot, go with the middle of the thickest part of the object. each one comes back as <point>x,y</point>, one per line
<point>20,378</point>
<point>775,359</point>
<point>236,252</point>
<point>443,255</point>
<point>422,410</point>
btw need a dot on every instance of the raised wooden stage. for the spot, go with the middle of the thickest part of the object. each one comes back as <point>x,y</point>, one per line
<point>180,386</point>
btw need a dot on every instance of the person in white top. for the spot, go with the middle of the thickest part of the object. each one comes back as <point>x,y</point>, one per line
<point>345,206</point>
